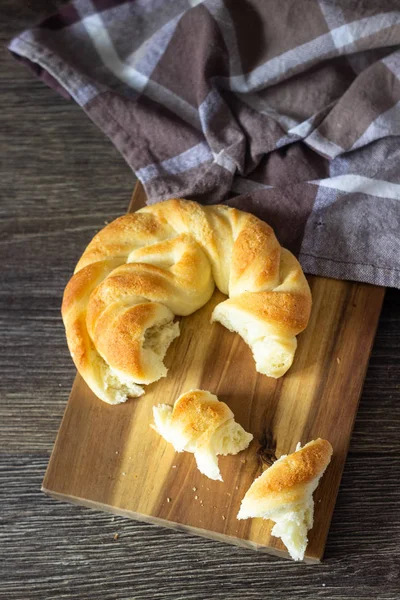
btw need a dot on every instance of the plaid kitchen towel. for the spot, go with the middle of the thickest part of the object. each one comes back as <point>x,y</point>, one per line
<point>290,110</point>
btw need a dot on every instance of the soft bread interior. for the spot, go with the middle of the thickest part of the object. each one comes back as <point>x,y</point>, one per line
<point>157,340</point>
<point>292,527</point>
<point>162,424</point>
<point>108,385</point>
<point>292,522</point>
<point>230,438</point>
<point>273,354</point>
<point>207,463</point>
<point>116,387</point>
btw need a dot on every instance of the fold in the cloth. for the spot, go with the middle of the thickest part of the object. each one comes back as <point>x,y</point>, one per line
<point>290,110</point>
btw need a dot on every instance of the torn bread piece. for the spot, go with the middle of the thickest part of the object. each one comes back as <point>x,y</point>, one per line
<point>284,494</point>
<point>199,423</point>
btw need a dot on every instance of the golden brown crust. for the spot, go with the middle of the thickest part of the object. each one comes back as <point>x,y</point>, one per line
<point>287,311</point>
<point>198,412</point>
<point>297,468</point>
<point>82,284</point>
<point>73,311</point>
<point>118,336</point>
<point>263,266</point>
<point>286,480</point>
<point>116,238</point>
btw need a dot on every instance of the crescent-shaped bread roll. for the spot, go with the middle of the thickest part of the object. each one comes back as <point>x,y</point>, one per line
<point>199,423</point>
<point>284,494</point>
<point>163,261</point>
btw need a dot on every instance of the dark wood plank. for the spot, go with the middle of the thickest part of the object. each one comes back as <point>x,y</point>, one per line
<point>54,550</point>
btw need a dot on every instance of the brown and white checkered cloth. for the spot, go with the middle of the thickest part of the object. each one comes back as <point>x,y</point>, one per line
<point>290,110</point>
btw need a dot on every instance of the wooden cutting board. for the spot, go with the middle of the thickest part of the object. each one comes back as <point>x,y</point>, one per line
<point>108,458</point>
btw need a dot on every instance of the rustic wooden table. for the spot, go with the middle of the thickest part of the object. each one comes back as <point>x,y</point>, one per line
<point>60,180</point>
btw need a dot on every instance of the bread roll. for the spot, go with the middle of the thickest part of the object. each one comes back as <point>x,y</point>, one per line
<point>164,260</point>
<point>199,423</point>
<point>283,493</point>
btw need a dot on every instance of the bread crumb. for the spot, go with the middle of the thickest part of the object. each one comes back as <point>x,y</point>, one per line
<point>194,489</point>
<point>105,222</point>
<point>116,536</point>
<point>243,461</point>
<point>116,452</point>
<point>168,499</point>
<point>324,584</point>
<point>223,517</point>
<point>195,497</point>
<point>237,487</point>
<point>59,385</point>
<point>338,360</point>
<point>123,473</point>
<point>227,493</point>
<point>174,466</point>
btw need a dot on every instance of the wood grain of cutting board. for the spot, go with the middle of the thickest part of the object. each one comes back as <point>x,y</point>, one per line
<point>108,458</point>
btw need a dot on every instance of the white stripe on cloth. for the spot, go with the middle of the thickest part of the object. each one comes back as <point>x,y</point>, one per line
<point>347,34</point>
<point>392,62</point>
<point>207,110</point>
<point>174,103</point>
<point>243,185</point>
<point>190,159</point>
<point>261,106</point>
<point>333,14</point>
<point>222,17</point>
<point>132,77</point>
<point>388,123</point>
<point>209,107</point>
<point>304,128</point>
<point>180,163</point>
<point>223,160</point>
<point>147,56</point>
<point>334,17</point>
<point>318,142</point>
<point>337,39</point>
<point>362,185</point>
<point>105,48</point>
<point>81,91</point>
